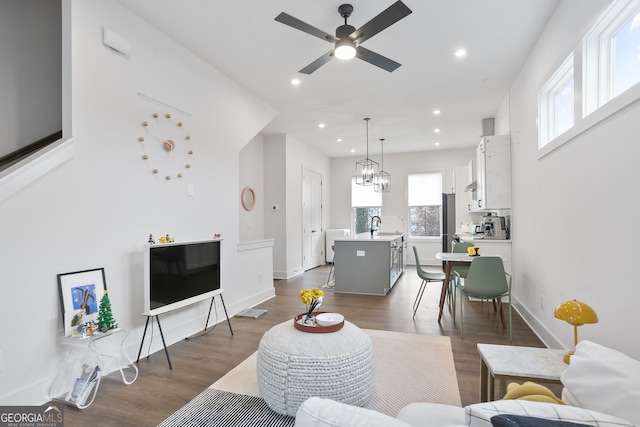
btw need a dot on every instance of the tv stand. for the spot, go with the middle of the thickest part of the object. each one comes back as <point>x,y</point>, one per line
<point>206,324</point>
<point>164,344</point>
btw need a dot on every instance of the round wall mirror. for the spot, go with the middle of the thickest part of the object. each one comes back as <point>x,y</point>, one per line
<point>248,198</point>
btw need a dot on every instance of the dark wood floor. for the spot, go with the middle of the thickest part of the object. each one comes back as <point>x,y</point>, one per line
<point>199,362</point>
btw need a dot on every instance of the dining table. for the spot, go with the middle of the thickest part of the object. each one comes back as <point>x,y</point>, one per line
<point>451,259</point>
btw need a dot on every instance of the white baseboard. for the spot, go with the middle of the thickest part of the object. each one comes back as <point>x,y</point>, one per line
<point>536,326</point>
<point>284,275</point>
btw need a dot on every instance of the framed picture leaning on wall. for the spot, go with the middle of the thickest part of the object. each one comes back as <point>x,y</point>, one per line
<point>80,294</point>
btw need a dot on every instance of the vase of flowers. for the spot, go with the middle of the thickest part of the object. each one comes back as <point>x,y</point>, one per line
<point>312,299</point>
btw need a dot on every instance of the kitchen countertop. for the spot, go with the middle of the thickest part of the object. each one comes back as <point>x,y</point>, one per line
<point>384,237</point>
<point>473,238</point>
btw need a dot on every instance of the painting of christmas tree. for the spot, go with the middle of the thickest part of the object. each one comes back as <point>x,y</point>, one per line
<point>105,317</point>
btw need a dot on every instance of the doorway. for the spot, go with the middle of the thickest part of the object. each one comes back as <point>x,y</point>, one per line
<point>312,244</point>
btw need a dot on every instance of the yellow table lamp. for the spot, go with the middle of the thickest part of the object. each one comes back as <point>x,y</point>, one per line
<point>575,313</point>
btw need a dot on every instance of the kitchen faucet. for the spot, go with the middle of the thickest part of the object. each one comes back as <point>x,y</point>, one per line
<point>378,222</point>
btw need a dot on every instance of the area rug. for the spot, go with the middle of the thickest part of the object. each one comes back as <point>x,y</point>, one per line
<point>224,409</point>
<point>408,368</point>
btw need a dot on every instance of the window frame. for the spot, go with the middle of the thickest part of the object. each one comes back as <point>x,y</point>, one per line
<point>589,106</point>
<point>439,205</point>
<point>361,188</point>
<point>597,47</point>
<point>547,105</point>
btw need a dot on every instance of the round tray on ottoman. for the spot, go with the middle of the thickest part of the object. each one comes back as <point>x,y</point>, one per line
<point>294,365</point>
<point>298,322</point>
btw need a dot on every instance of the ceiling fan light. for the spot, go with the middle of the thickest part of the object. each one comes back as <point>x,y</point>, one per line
<point>345,50</point>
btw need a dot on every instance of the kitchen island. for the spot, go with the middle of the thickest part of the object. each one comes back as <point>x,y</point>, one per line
<point>369,265</point>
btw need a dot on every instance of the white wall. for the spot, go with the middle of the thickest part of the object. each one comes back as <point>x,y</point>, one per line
<point>252,175</point>
<point>574,209</point>
<point>98,209</point>
<point>284,160</point>
<point>395,202</point>
<point>275,194</point>
<point>30,68</point>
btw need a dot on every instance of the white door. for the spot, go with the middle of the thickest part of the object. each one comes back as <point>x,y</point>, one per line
<point>312,247</point>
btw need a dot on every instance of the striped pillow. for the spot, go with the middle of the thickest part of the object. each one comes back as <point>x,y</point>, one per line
<point>479,414</point>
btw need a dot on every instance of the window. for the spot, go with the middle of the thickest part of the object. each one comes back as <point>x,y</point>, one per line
<point>612,55</point>
<point>365,203</point>
<point>555,104</point>
<point>606,75</point>
<point>425,202</point>
<point>626,55</point>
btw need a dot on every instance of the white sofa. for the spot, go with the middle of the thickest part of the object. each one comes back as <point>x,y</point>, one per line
<point>601,389</point>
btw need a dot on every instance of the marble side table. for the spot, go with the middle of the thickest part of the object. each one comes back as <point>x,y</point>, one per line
<point>517,363</point>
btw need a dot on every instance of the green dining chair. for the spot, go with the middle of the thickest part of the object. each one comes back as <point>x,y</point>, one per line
<point>462,270</point>
<point>486,279</point>
<point>460,248</point>
<point>426,277</point>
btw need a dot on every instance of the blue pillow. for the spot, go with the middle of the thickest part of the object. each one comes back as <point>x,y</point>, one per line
<point>507,420</point>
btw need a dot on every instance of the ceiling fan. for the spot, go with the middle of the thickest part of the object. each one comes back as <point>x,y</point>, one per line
<point>348,40</point>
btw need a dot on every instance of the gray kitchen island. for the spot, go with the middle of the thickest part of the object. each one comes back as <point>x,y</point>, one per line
<point>369,265</point>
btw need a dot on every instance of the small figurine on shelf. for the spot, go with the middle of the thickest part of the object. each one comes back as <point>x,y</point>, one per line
<point>105,317</point>
<point>166,239</point>
<point>152,241</point>
<point>217,236</point>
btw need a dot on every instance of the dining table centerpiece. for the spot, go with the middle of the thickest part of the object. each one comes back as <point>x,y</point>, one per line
<point>312,299</point>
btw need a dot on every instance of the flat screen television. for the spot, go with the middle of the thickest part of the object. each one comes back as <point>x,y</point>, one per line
<point>180,274</point>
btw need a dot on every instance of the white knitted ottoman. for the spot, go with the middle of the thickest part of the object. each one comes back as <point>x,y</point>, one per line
<point>293,365</point>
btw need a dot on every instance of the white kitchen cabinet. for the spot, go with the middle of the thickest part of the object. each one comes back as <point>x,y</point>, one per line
<point>493,173</point>
<point>472,194</point>
<point>461,179</point>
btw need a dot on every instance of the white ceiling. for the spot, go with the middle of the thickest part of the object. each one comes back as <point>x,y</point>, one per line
<point>241,39</point>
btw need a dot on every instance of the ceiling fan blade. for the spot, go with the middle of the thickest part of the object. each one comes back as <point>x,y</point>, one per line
<point>317,63</point>
<point>376,59</point>
<point>303,26</point>
<point>385,19</point>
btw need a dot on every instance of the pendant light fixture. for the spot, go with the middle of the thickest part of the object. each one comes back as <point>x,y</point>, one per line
<point>383,180</point>
<point>366,169</point>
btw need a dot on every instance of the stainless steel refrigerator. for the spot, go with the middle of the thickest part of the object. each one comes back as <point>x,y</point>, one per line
<point>448,221</point>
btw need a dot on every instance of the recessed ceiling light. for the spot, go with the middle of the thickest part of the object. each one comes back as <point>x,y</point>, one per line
<point>295,82</point>
<point>437,130</point>
<point>436,112</point>
<point>353,151</point>
<point>339,140</point>
<point>436,143</point>
<point>321,125</point>
<point>460,53</point>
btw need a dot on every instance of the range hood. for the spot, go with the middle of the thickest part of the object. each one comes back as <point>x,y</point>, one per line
<point>488,126</point>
